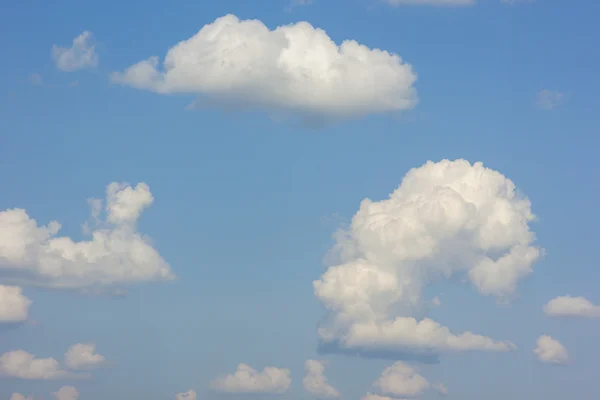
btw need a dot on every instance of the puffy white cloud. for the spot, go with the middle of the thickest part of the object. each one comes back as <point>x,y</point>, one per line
<point>83,355</point>
<point>116,253</point>
<point>315,381</point>
<point>551,351</point>
<point>19,396</point>
<point>14,306</point>
<point>20,364</point>
<point>82,54</point>
<point>246,379</point>
<point>569,306</point>
<point>189,395</point>
<point>291,70</point>
<point>431,2</point>
<point>66,393</point>
<point>549,99</point>
<point>446,219</point>
<point>401,380</point>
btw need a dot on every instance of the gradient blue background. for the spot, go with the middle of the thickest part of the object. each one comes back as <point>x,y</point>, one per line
<point>245,207</point>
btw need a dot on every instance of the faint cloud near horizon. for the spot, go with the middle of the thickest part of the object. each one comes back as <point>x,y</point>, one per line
<point>549,99</point>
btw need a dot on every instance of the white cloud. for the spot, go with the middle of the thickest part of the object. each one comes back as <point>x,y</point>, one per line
<point>19,396</point>
<point>81,54</point>
<point>66,393</point>
<point>315,381</point>
<point>372,396</point>
<point>189,395</point>
<point>431,2</point>
<point>446,219</point>
<point>83,355</point>
<point>549,99</point>
<point>568,306</point>
<point>401,380</point>
<point>20,364</point>
<point>14,307</point>
<point>551,351</point>
<point>292,70</point>
<point>116,253</point>
<point>246,379</point>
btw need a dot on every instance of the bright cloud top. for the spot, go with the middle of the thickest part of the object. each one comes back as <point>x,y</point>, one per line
<point>66,393</point>
<point>189,395</point>
<point>402,380</point>
<point>445,219</point>
<point>315,381</point>
<point>568,306</point>
<point>82,54</point>
<point>551,351</point>
<point>83,356</point>
<point>116,253</point>
<point>14,307</point>
<point>293,69</point>
<point>247,380</point>
<point>22,365</point>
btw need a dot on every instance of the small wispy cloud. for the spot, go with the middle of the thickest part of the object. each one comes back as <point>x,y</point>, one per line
<point>35,79</point>
<point>549,99</point>
<point>81,54</point>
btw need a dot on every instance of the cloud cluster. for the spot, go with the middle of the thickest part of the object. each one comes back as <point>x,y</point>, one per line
<point>551,351</point>
<point>246,379</point>
<point>23,365</point>
<point>82,54</point>
<point>116,253</point>
<point>315,381</point>
<point>569,306</point>
<point>294,69</point>
<point>14,306</point>
<point>446,219</point>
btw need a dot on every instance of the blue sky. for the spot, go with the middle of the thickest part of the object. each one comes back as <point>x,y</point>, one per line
<point>245,203</point>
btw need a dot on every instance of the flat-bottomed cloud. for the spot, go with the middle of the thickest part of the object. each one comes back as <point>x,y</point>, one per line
<point>446,219</point>
<point>22,365</point>
<point>291,70</point>
<point>83,356</point>
<point>247,380</point>
<point>551,351</point>
<point>116,253</point>
<point>569,306</point>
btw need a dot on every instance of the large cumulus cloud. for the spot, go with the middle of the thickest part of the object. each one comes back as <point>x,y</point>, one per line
<point>293,69</point>
<point>446,219</point>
